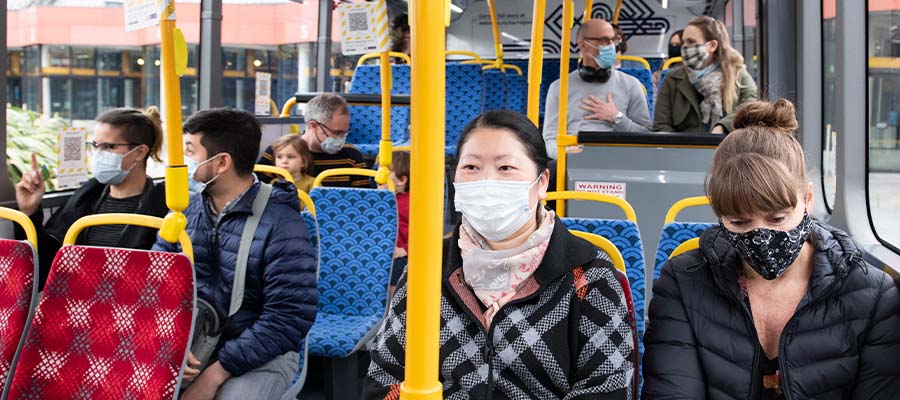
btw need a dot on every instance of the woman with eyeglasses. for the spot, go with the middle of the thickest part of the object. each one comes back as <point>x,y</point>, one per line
<point>124,139</point>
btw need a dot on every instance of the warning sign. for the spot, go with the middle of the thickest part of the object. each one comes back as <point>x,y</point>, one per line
<point>71,167</point>
<point>364,27</point>
<point>611,188</point>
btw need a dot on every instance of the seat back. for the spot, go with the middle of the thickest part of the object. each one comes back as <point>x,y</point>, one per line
<point>517,96</point>
<point>673,234</point>
<point>18,292</point>
<point>496,89</point>
<point>646,78</point>
<point>111,324</point>
<point>365,121</point>
<point>464,100</point>
<point>357,235</point>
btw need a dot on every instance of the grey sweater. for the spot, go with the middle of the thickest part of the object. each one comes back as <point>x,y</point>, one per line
<point>628,94</point>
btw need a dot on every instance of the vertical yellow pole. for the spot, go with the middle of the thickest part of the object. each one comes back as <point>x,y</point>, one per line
<point>536,61</point>
<point>588,7</point>
<point>498,41</point>
<point>385,150</point>
<point>423,302</point>
<point>563,139</point>
<point>176,171</point>
<point>618,10</point>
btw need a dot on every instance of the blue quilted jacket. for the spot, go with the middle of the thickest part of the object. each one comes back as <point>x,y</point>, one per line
<point>280,293</point>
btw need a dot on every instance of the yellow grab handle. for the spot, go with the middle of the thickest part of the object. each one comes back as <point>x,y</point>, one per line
<point>670,61</point>
<point>641,60</point>
<point>685,247</point>
<point>685,203</point>
<point>23,221</point>
<point>472,54</point>
<point>348,171</point>
<point>369,56</point>
<point>125,219</point>
<point>600,198</point>
<point>269,169</point>
<point>604,244</point>
<point>288,105</point>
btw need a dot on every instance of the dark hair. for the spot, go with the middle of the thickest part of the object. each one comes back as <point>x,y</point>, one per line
<point>623,43</point>
<point>526,132</point>
<point>400,22</point>
<point>679,33</point>
<point>400,166</point>
<point>227,130</point>
<point>298,145</point>
<point>138,127</point>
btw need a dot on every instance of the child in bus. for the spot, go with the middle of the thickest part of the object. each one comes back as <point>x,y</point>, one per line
<point>293,155</point>
<point>400,177</point>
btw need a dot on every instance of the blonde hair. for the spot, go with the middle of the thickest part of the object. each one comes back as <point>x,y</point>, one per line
<point>760,166</point>
<point>730,61</point>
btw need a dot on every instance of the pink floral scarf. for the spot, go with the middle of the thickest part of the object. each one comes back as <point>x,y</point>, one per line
<point>496,275</point>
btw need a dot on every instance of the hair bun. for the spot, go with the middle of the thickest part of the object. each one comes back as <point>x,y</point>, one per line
<point>780,115</point>
<point>153,113</point>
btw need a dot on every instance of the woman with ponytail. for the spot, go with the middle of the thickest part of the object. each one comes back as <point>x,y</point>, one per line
<point>124,139</point>
<point>774,304</point>
<point>706,91</point>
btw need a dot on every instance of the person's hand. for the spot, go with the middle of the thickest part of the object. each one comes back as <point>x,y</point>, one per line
<point>399,252</point>
<point>192,369</point>
<point>207,384</point>
<point>718,129</point>
<point>30,190</point>
<point>600,110</point>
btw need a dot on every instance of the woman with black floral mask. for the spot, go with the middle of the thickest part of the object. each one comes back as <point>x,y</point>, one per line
<point>774,304</point>
<point>712,83</point>
<point>528,310</point>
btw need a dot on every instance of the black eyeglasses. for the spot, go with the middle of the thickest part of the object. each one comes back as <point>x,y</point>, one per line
<point>333,132</point>
<point>600,41</point>
<point>90,145</point>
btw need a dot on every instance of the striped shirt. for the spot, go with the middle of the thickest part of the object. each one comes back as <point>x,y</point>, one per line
<point>109,235</point>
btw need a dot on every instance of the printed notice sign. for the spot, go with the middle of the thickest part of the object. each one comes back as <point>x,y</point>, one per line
<point>140,14</point>
<point>611,188</point>
<point>364,27</point>
<point>263,93</point>
<point>72,161</point>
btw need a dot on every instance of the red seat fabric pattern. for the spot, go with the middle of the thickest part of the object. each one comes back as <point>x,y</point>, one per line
<point>111,324</point>
<point>17,270</point>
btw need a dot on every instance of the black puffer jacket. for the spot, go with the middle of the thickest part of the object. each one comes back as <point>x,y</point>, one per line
<point>843,342</point>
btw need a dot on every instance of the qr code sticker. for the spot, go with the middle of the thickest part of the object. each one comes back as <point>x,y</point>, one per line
<point>359,21</point>
<point>72,147</point>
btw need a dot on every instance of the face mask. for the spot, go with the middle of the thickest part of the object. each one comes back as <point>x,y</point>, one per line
<point>332,145</point>
<point>674,51</point>
<point>768,251</point>
<point>495,209</point>
<point>606,55</point>
<point>694,55</point>
<point>107,167</point>
<point>193,184</point>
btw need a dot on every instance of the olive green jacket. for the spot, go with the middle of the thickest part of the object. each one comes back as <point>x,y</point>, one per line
<point>678,103</point>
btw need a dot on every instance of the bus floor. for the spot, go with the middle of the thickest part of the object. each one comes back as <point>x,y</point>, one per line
<point>319,376</point>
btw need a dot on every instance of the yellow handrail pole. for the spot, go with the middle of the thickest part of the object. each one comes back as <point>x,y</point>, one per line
<point>684,203</point>
<point>588,7</point>
<point>24,221</point>
<point>385,154</point>
<point>670,61</point>
<point>563,139</point>
<point>536,61</point>
<point>498,42</point>
<point>618,11</point>
<point>288,105</point>
<point>125,219</point>
<point>367,57</point>
<point>176,171</point>
<point>427,112</point>
<point>641,60</point>
<point>466,53</point>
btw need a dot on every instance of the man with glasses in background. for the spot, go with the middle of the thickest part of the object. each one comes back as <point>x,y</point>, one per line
<point>600,97</point>
<point>327,123</point>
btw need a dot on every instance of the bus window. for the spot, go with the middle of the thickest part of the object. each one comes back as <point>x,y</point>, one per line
<point>883,115</point>
<point>829,101</point>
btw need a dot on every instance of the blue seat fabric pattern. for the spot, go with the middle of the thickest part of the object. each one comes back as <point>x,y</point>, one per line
<point>496,90</point>
<point>464,100</point>
<point>517,97</point>
<point>357,235</point>
<point>365,121</point>
<point>674,234</point>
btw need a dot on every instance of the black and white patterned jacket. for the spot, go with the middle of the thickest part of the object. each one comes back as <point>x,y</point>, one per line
<point>570,337</point>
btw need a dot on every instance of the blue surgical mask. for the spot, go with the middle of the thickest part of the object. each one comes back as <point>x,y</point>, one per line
<point>606,55</point>
<point>194,185</point>
<point>332,145</point>
<point>107,167</point>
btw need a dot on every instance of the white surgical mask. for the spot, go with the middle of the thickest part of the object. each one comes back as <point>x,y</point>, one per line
<point>495,209</point>
<point>107,167</point>
<point>193,184</point>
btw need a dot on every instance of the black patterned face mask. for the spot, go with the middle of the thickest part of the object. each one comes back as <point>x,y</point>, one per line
<point>768,251</point>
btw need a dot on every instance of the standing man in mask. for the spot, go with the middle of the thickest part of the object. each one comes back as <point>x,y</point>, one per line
<point>600,98</point>
<point>327,123</point>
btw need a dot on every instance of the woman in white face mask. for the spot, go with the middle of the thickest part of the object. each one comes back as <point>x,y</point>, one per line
<point>124,140</point>
<point>525,304</point>
<point>704,93</point>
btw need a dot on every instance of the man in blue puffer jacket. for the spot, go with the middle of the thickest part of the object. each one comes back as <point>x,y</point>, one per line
<point>257,352</point>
